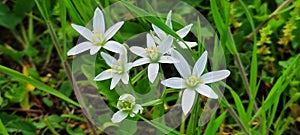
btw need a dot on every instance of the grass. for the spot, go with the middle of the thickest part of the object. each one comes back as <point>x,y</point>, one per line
<point>259,40</point>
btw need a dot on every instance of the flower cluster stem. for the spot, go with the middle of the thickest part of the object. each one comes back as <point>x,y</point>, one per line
<point>68,70</point>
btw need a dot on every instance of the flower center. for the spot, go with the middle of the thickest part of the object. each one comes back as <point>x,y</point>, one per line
<point>125,106</point>
<point>153,53</point>
<point>192,81</point>
<point>98,39</point>
<point>117,68</point>
<point>201,81</point>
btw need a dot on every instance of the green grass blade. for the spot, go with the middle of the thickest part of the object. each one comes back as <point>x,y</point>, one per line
<point>222,27</point>
<point>254,64</point>
<point>214,124</point>
<point>163,128</point>
<point>2,128</point>
<point>279,86</point>
<point>239,106</point>
<point>73,12</point>
<point>293,99</point>
<point>37,84</point>
<point>154,20</point>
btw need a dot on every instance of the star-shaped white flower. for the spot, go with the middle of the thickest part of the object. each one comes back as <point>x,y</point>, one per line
<point>153,54</point>
<point>119,69</point>
<point>126,106</point>
<point>97,38</point>
<point>193,81</point>
<point>181,33</point>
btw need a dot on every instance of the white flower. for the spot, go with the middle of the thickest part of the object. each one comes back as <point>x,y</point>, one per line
<point>98,37</point>
<point>119,69</point>
<point>153,54</point>
<point>126,106</point>
<point>193,81</point>
<point>181,33</point>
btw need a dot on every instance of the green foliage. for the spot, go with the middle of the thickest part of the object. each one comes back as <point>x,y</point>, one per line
<point>15,124</point>
<point>10,18</point>
<point>261,51</point>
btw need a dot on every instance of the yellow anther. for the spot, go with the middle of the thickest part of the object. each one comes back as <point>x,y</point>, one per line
<point>110,70</point>
<point>201,81</point>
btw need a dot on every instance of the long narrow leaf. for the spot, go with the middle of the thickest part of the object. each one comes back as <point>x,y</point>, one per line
<point>254,65</point>
<point>37,84</point>
<point>279,86</point>
<point>3,129</point>
<point>214,124</point>
<point>239,106</point>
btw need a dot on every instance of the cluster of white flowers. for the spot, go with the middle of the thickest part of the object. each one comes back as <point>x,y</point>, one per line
<point>159,50</point>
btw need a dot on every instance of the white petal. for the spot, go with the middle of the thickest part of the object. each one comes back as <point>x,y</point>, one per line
<point>167,59</point>
<point>125,78</point>
<point>123,55</point>
<point>138,51</point>
<point>189,44</point>
<point>118,117</point>
<point>85,32</point>
<point>169,21</point>
<point>136,109</point>
<point>114,81</point>
<point>200,65</point>
<point>80,48</point>
<point>140,61</point>
<point>152,71</point>
<point>94,49</point>
<point>182,66</point>
<point>156,40</point>
<point>166,44</point>
<point>215,76</point>
<point>113,30</point>
<point>184,31</point>
<point>114,46</point>
<point>107,74</point>
<point>127,97</point>
<point>206,91</point>
<point>161,34</point>
<point>150,41</point>
<point>174,82</point>
<point>108,59</point>
<point>98,21</point>
<point>128,66</point>
<point>187,102</point>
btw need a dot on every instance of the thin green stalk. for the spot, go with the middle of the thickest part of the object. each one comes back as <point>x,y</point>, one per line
<point>2,128</point>
<point>55,41</point>
<point>63,60</point>
<point>192,125</point>
<point>236,117</point>
<point>50,127</point>
<point>243,75</point>
<point>63,14</point>
<point>182,126</point>
<point>163,128</point>
<point>233,113</point>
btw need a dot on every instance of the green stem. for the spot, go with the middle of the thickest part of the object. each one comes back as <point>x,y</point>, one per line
<point>243,73</point>
<point>53,131</point>
<point>182,126</point>
<point>236,117</point>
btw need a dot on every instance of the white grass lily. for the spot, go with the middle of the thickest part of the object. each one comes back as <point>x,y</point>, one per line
<point>97,38</point>
<point>126,106</point>
<point>153,54</point>
<point>119,69</point>
<point>193,81</point>
<point>181,33</point>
